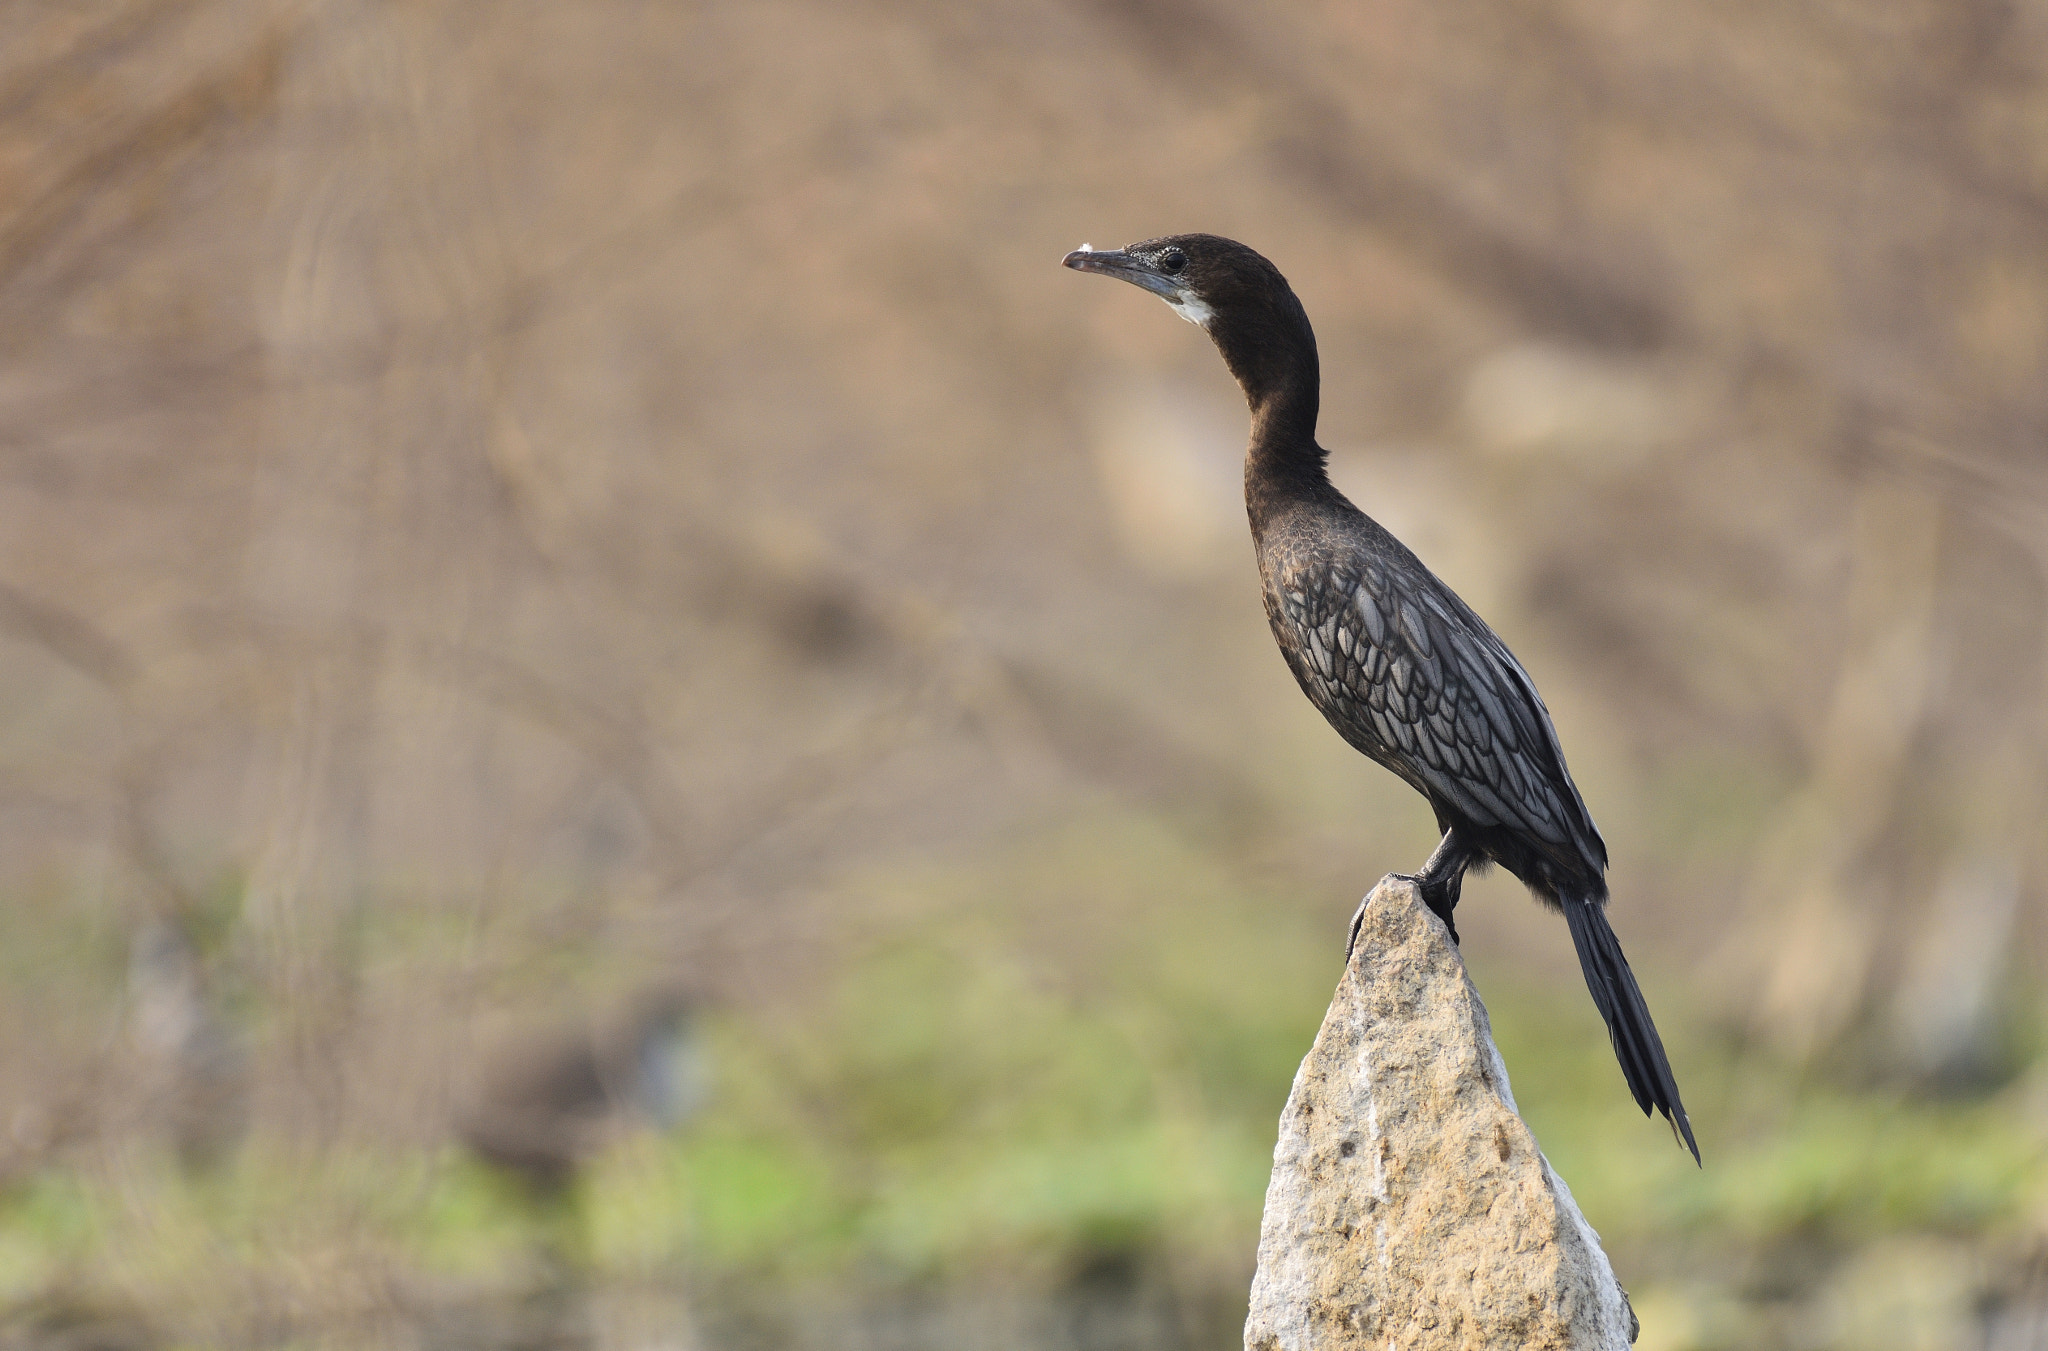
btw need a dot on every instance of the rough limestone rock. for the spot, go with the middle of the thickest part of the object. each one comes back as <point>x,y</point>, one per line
<point>1409,1206</point>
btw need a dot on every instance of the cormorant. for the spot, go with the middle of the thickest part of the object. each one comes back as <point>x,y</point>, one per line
<point>1401,667</point>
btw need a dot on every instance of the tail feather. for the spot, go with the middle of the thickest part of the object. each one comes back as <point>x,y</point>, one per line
<point>1636,1043</point>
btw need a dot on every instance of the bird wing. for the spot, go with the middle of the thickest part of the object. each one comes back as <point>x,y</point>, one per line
<point>1416,680</point>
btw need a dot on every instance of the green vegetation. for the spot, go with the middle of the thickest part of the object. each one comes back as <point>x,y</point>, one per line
<point>989,1087</point>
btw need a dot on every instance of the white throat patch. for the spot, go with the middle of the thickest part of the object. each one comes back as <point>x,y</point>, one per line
<point>1191,308</point>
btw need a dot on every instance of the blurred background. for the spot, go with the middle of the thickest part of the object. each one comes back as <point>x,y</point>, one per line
<point>626,721</point>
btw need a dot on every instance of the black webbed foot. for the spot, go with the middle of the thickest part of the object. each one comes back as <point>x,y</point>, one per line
<point>1441,899</point>
<point>1440,894</point>
<point>1443,912</point>
<point>1439,882</point>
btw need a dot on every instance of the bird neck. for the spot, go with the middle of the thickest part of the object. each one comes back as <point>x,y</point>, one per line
<point>1282,382</point>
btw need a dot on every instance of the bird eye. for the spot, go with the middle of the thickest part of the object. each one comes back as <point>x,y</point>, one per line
<point>1172,261</point>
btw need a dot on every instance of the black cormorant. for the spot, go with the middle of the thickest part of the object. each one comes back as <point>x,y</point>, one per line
<point>1402,668</point>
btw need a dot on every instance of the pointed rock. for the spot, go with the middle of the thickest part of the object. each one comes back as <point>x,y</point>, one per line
<point>1410,1209</point>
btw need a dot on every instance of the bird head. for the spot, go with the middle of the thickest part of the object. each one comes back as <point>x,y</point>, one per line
<point>1233,293</point>
<point>1179,269</point>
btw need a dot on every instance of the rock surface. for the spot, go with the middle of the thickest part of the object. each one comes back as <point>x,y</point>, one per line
<point>1409,1206</point>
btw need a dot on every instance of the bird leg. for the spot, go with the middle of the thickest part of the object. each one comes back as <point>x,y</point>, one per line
<point>1443,877</point>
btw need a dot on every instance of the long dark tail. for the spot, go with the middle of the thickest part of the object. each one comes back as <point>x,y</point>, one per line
<point>1636,1043</point>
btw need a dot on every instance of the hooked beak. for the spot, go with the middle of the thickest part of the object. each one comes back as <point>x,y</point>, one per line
<point>1123,266</point>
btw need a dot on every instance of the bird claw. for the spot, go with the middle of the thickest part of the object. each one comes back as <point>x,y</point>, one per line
<point>1358,915</point>
<point>1431,897</point>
